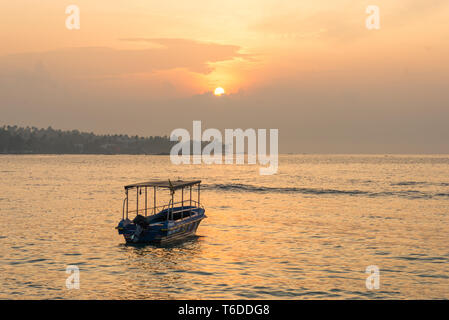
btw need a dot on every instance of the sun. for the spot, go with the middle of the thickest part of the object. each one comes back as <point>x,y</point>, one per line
<point>219,91</point>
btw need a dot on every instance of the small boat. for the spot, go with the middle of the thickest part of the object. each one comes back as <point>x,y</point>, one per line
<point>161,224</point>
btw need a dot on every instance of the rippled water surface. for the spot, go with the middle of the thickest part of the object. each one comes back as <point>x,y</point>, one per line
<point>308,232</point>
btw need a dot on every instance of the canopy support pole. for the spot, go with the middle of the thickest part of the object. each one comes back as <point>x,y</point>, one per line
<point>146,201</point>
<point>172,200</point>
<point>126,203</point>
<point>137,205</point>
<point>190,200</point>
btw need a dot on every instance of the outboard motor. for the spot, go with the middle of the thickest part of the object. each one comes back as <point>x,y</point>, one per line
<point>141,224</point>
<point>141,221</point>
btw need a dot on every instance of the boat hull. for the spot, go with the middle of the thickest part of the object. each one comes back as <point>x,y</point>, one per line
<point>162,232</point>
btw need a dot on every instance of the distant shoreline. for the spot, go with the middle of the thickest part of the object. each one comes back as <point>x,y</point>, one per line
<point>84,154</point>
<point>32,140</point>
<point>16,140</point>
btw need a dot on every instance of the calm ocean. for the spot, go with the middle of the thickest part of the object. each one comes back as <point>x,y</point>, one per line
<point>308,232</point>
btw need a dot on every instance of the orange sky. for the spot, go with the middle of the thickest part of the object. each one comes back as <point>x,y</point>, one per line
<point>279,37</point>
<point>141,51</point>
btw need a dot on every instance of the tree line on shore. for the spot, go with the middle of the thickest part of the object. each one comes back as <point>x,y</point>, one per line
<point>32,140</point>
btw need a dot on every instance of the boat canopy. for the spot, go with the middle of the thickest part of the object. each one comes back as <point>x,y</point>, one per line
<point>173,185</point>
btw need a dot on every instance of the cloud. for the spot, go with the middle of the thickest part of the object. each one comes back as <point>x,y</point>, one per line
<point>52,79</point>
<point>98,61</point>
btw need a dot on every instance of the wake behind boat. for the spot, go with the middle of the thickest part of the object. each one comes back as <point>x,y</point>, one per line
<point>161,224</point>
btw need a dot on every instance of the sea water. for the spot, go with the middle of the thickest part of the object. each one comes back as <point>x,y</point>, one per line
<point>308,232</point>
